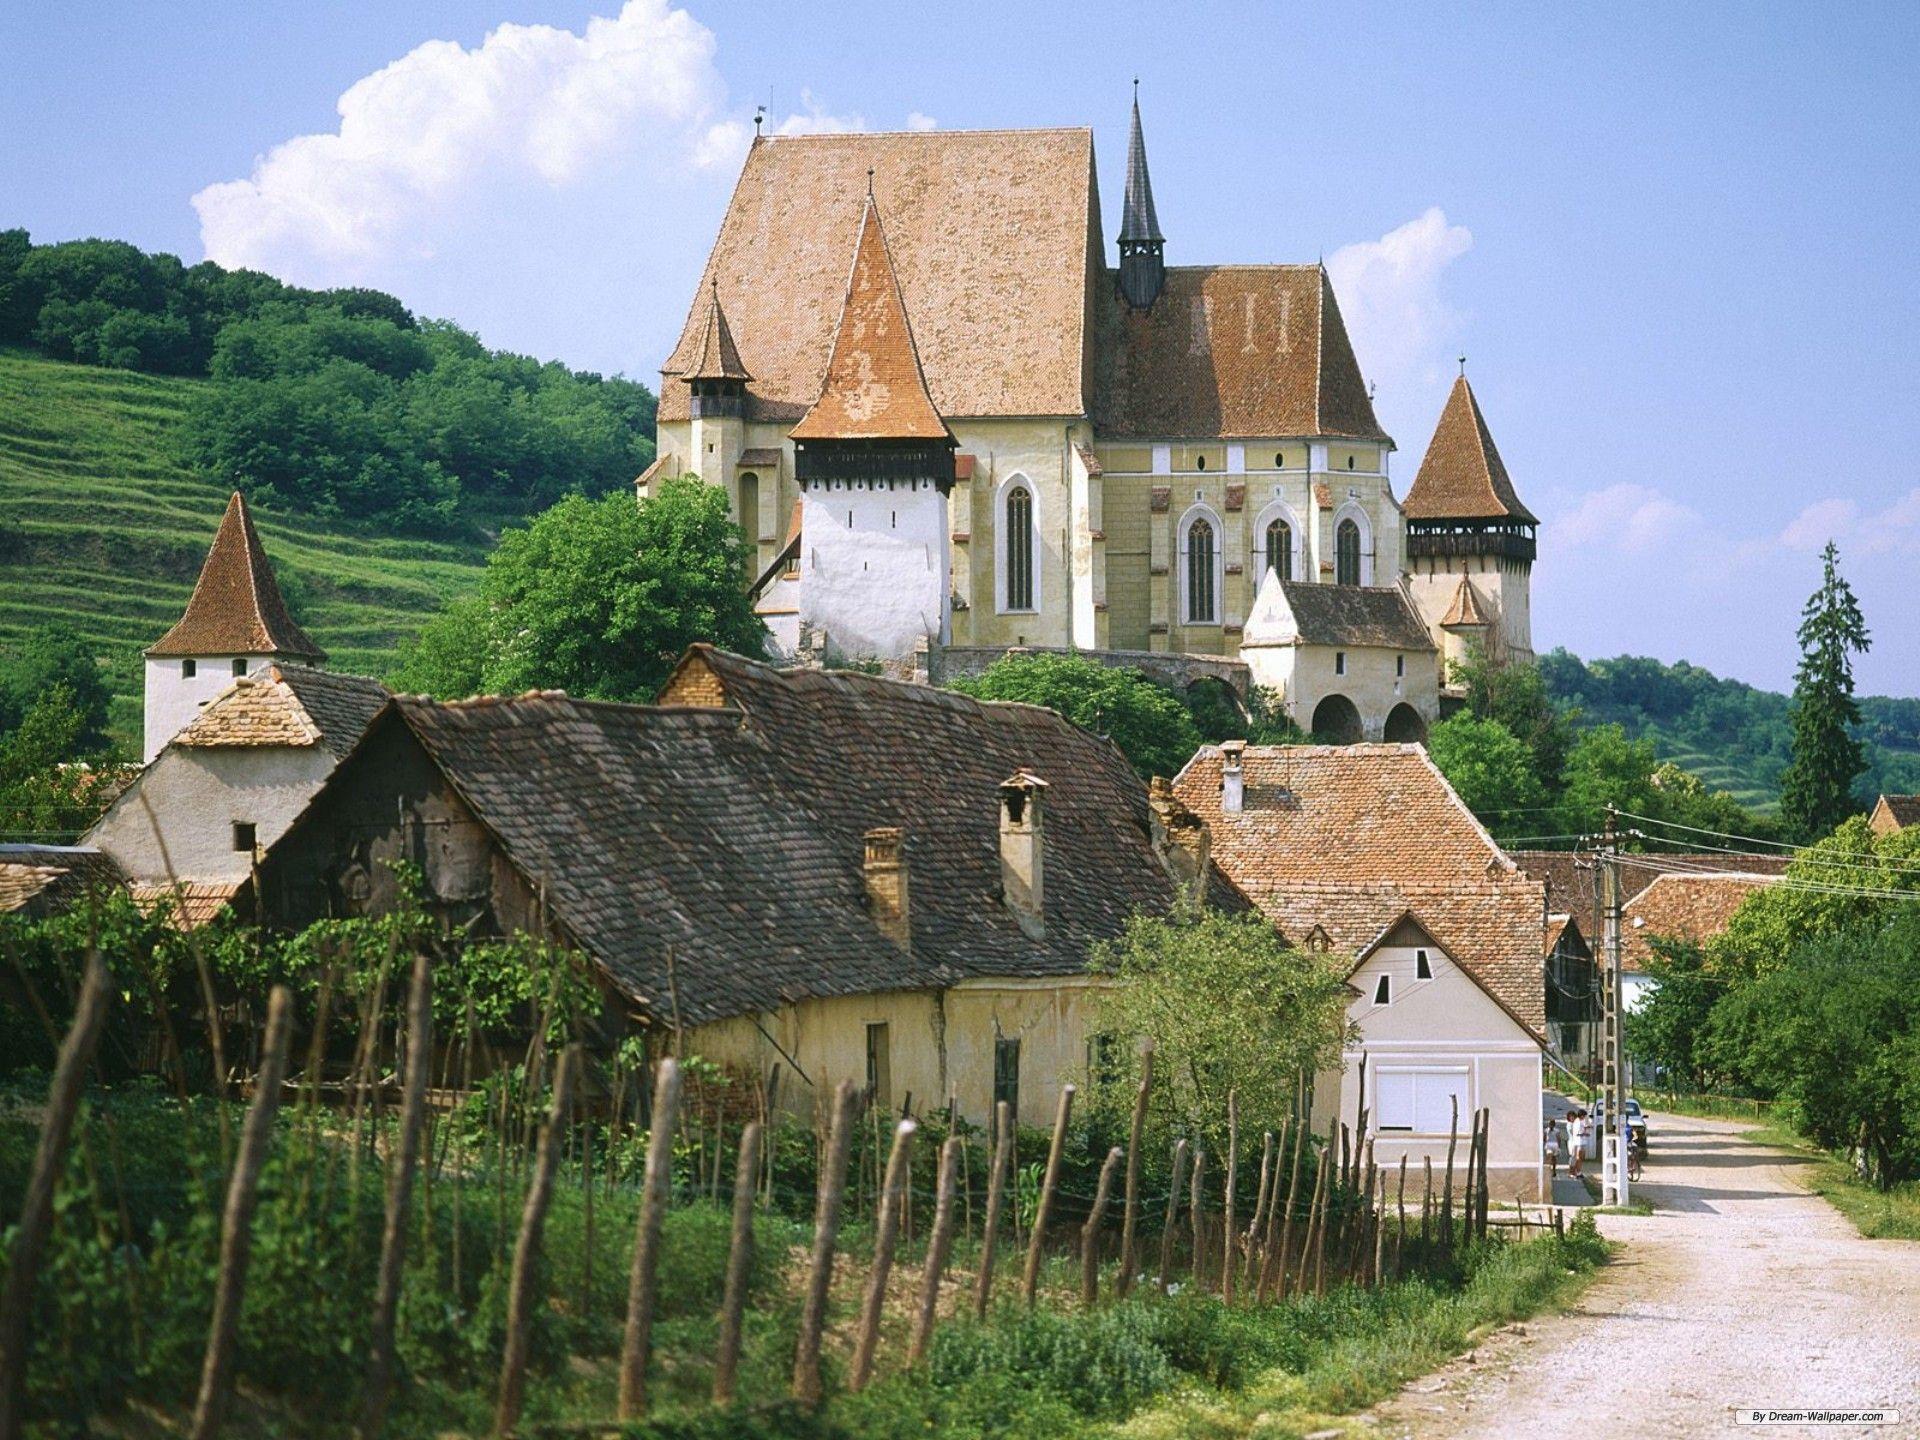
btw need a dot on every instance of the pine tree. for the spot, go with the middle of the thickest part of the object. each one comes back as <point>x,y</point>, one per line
<point>1816,792</point>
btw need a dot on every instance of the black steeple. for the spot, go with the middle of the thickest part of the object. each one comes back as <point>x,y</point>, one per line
<point>1143,266</point>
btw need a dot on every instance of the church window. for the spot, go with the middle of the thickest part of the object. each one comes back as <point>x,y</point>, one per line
<point>1200,462</point>
<point>1339,662</point>
<point>1019,548</point>
<point>1346,553</point>
<point>1400,665</point>
<point>244,835</point>
<point>1279,542</point>
<point>1349,462</point>
<point>1202,595</point>
<point>1279,459</point>
<point>188,669</point>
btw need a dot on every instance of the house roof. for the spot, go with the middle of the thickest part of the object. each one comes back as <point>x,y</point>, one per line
<point>992,234</point>
<point>1285,611</point>
<point>1462,477</point>
<point>288,705</point>
<point>236,607</point>
<point>1347,837</point>
<point>1409,919</point>
<point>1230,350</point>
<point>874,388</point>
<point>715,356</point>
<point>1694,908</point>
<point>1465,609</point>
<point>191,903</point>
<point>52,877</point>
<point>729,834</point>
<point>1573,880</point>
<point>1896,812</point>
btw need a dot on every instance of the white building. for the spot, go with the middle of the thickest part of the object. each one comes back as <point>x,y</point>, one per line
<point>1349,662</point>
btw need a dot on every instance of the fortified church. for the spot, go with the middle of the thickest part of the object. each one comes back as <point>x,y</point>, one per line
<point>949,427</point>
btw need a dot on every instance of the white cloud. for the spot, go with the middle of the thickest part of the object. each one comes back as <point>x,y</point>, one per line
<point>1628,517</point>
<point>919,120</point>
<point>1894,530</point>
<point>1390,294</point>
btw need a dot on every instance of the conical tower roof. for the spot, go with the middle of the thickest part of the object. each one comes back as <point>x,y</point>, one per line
<point>716,357</point>
<point>1465,611</point>
<point>874,387</point>
<point>236,607</point>
<point>1138,222</point>
<point>1461,476</point>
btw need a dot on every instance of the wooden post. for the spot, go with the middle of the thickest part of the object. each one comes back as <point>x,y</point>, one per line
<point>1486,1143</point>
<point>1196,1215</point>
<point>1426,1207</point>
<point>656,1190</point>
<point>939,1247</point>
<point>996,1200</point>
<point>1400,1210</point>
<point>521,1300</point>
<point>1129,1222</point>
<point>1446,1204</point>
<point>1048,1186</point>
<point>1277,1262</point>
<point>1090,1232</point>
<point>36,1212</point>
<point>1251,1242</point>
<point>886,1238</point>
<point>1379,1229</point>
<point>1229,1220</point>
<point>236,1226</point>
<point>1322,1199</point>
<point>1367,1220</point>
<point>1173,1215</point>
<point>393,1244</point>
<point>739,1263</point>
<point>826,1231</point>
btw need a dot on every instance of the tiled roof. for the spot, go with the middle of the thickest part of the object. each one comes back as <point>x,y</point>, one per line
<point>874,389</point>
<point>1556,927</point>
<point>715,356</point>
<point>1682,907</point>
<point>1465,609</point>
<point>288,705</point>
<point>236,608</point>
<point>190,904</point>
<point>1347,837</point>
<point>731,836</point>
<point>1573,880</point>
<point>20,884</point>
<point>993,234</point>
<point>1379,615</point>
<point>1462,476</point>
<point>758,457</point>
<point>1896,812</point>
<point>52,877</point>
<point>1230,350</point>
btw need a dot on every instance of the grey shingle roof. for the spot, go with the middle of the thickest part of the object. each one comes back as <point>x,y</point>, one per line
<point>1355,615</point>
<point>342,706</point>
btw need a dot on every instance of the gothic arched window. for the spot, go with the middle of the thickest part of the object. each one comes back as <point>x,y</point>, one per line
<point>1346,553</point>
<point>1018,542</point>
<point>1202,597</point>
<point>1279,549</point>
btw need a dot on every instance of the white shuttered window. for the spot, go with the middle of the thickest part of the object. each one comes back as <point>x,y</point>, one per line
<point>1419,1099</point>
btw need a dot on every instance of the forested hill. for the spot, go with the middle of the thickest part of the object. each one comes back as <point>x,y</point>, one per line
<point>1731,735</point>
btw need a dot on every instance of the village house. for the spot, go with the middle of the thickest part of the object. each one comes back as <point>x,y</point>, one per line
<point>1365,851</point>
<point>811,875</point>
<point>1894,813</point>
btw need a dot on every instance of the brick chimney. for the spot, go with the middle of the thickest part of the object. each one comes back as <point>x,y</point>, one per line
<point>1023,851</point>
<point>885,871</point>
<point>1233,777</point>
<point>1181,840</point>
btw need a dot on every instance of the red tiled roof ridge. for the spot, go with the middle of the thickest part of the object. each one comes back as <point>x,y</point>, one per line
<point>236,607</point>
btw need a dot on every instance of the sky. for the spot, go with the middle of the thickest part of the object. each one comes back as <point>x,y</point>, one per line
<point>1674,243</point>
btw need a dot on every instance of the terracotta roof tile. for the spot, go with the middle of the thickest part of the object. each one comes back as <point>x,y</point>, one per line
<point>1682,907</point>
<point>1896,812</point>
<point>22,884</point>
<point>190,904</point>
<point>715,356</point>
<point>1347,837</point>
<point>874,388</point>
<point>1462,476</point>
<point>236,608</point>
<point>1465,610</point>
<point>758,457</point>
<point>288,705</point>
<point>1572,880</point>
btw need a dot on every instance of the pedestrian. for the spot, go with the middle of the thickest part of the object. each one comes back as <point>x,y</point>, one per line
<point>1576,1141</point>
<point>1550,1144</point>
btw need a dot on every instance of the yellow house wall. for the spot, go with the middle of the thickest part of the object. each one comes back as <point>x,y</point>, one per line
<point>1037,449</point>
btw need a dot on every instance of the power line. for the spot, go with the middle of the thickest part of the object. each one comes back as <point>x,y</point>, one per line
<point>1810,853</point>
<point>1675,865</point>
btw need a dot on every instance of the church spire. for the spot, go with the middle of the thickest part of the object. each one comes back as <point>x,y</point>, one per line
<point>1143,268</point>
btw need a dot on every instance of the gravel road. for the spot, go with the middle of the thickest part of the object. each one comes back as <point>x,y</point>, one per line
<point>1740,1290</point>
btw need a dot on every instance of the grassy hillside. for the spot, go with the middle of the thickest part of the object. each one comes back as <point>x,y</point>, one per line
<point>101,527</point>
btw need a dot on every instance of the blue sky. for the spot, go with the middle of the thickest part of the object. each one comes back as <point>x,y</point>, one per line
<point>1675,244</point>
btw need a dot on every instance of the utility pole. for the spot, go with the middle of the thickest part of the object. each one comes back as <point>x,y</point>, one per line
<point>1613,1089</point>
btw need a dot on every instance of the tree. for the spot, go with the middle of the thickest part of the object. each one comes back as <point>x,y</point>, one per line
<point>598,598</point>
<point>1816,793</point>
<point>54,654</point>
<point>44,792</point>
<point>1489,767</point>
<point>1605,768</point>
<point>1228,1006</point>
<point>1148,723</point>
<point>1515,694</point>
<point>1668,1027</point>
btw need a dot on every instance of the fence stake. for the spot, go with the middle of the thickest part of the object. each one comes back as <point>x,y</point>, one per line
<point>36,1212</point>
<point>1367,1220</point>
<point>1446,1204</point>
<point>1486,1138</point>
<point>1400,1210</point>
<point>826,1231</point>
<point>1129,1221</point>
<point>526,1251</point>
<point>236,1226</point>
<point>393,1245</point>
<point>1196,1217</point>
<point>1229,1219</point>
<point>1090,1232</point>
<point>1250,1244</point>
<point>739,1263</point>
<point>886,1237</point>
<point>1273,1278</point>
<point>1002,1162</point>
<point>1047,1188</point>
<point>1173,1215</point>
<point>939,1246</point>
<point>656,1189</point>
<point>1426,1205</point>
<point>1380,1230</point>
<point>1317,1226</point>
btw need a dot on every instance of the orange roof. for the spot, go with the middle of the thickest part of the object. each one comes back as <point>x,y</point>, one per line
<point>1462,476</point>
<point>1693,908</point>
<point>1466,608</point>
<point>236,607</point>
<point>189,904</point>
<point>717,357</point>
<point>1894,812</point>
<point>874,388</point>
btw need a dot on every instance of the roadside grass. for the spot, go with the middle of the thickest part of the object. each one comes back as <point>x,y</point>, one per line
<point>1705,1107</point>
<point>1877,1214</point>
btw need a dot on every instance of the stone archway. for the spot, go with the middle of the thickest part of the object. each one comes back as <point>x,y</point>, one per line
<point>1404,726</point>
<point>1336,721</point>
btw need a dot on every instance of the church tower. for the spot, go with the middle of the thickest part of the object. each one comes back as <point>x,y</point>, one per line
<point>1143,263</point>
<point>717,405</point>
<point>874,461</point>
<point>1470,540</point>
<point>236,622</point>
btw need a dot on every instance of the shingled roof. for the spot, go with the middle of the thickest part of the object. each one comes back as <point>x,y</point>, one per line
<point>993,233</point>
<point>288,705</point>
<point>1464,611</point>
<point>1895,812</point>
<point>730,834</point>
<point>1461,476</point>
<point>715,355</point>
<point>1230,350</point>
<point>1573,879</point>
<point>1693,908</point>
<point>874,389</point>
<point>236,608</point>
<point>40,880</point>
<point>1355,615</point>
<point>1349,837</point>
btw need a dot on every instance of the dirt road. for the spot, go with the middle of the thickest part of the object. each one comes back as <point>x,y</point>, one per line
<point>1741,1290</point>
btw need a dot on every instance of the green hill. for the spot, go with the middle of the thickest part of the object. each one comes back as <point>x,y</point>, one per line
<point>101,527</point>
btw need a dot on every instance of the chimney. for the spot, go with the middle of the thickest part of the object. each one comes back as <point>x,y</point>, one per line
<point>1233,777</point>
<point>885,871</point>
<point>1181,840</point>
<point>1023,851</point>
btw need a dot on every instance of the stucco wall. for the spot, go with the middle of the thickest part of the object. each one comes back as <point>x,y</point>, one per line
<point>1036,450</point>
<point>1304,675</point>
<point>173,701</point>
<point>873,566</point>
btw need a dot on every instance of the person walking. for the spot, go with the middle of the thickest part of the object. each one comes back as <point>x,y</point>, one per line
<point>1576,1141</point>
<point>1550,1145</point>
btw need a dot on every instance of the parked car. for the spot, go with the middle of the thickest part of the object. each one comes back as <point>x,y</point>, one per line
<point>1636,1121</point>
